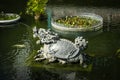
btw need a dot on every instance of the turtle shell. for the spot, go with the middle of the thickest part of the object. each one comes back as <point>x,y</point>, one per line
<point>64,49</point>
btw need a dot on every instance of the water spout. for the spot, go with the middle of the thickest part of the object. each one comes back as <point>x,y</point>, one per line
<point>49,18</point>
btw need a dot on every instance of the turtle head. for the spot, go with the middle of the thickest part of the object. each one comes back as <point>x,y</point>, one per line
<point>81,43</point>
<point>47,36</point>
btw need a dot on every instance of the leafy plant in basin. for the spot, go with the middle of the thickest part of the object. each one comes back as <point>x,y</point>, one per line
<point>77,21</point>
<point>7,16</point>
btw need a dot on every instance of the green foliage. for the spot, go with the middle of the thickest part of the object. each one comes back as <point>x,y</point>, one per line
<point>7,17</point>
<point>36,7</point>
<point>44,64</point>
<point>118,53</point>
<point>77,21</point>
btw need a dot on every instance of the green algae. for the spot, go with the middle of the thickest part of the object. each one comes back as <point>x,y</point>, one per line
<point>56,65</point>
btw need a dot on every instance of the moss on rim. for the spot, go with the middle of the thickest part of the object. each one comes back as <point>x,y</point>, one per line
<point>44,64</point>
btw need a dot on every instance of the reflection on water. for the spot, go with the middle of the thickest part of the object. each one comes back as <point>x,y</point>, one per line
<point>21,71</point>
<point>16,44</point>
<point>12,55</point>
<point>52,74</point>
<point>103,69</point>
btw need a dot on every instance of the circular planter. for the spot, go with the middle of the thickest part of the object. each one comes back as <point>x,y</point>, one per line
<point>16,18</point>
<point>96,27</point>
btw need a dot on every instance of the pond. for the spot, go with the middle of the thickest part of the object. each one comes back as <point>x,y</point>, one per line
<point>17,45</point>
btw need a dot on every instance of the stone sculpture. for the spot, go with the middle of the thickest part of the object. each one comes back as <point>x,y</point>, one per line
<point>55,48</point>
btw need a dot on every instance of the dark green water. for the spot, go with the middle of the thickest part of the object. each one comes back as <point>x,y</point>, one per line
<point>17,44</point>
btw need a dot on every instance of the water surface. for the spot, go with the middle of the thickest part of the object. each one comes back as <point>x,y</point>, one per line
<point>17,44</point>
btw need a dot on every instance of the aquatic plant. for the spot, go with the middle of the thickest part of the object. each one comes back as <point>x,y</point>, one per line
<point>4,16</point>
<point>36,8</point>
<point>118,53</point>
<point>77,21</point>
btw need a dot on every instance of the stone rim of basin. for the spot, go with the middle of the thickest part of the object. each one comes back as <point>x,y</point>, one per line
<point>10,20</point>
<point>96,27</point>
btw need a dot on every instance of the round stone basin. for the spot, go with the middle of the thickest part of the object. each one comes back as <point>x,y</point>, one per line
<point>62,27</point>
<point>9,18</point>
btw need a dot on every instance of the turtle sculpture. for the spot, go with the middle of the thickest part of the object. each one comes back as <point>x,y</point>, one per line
<point>55,48</point>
